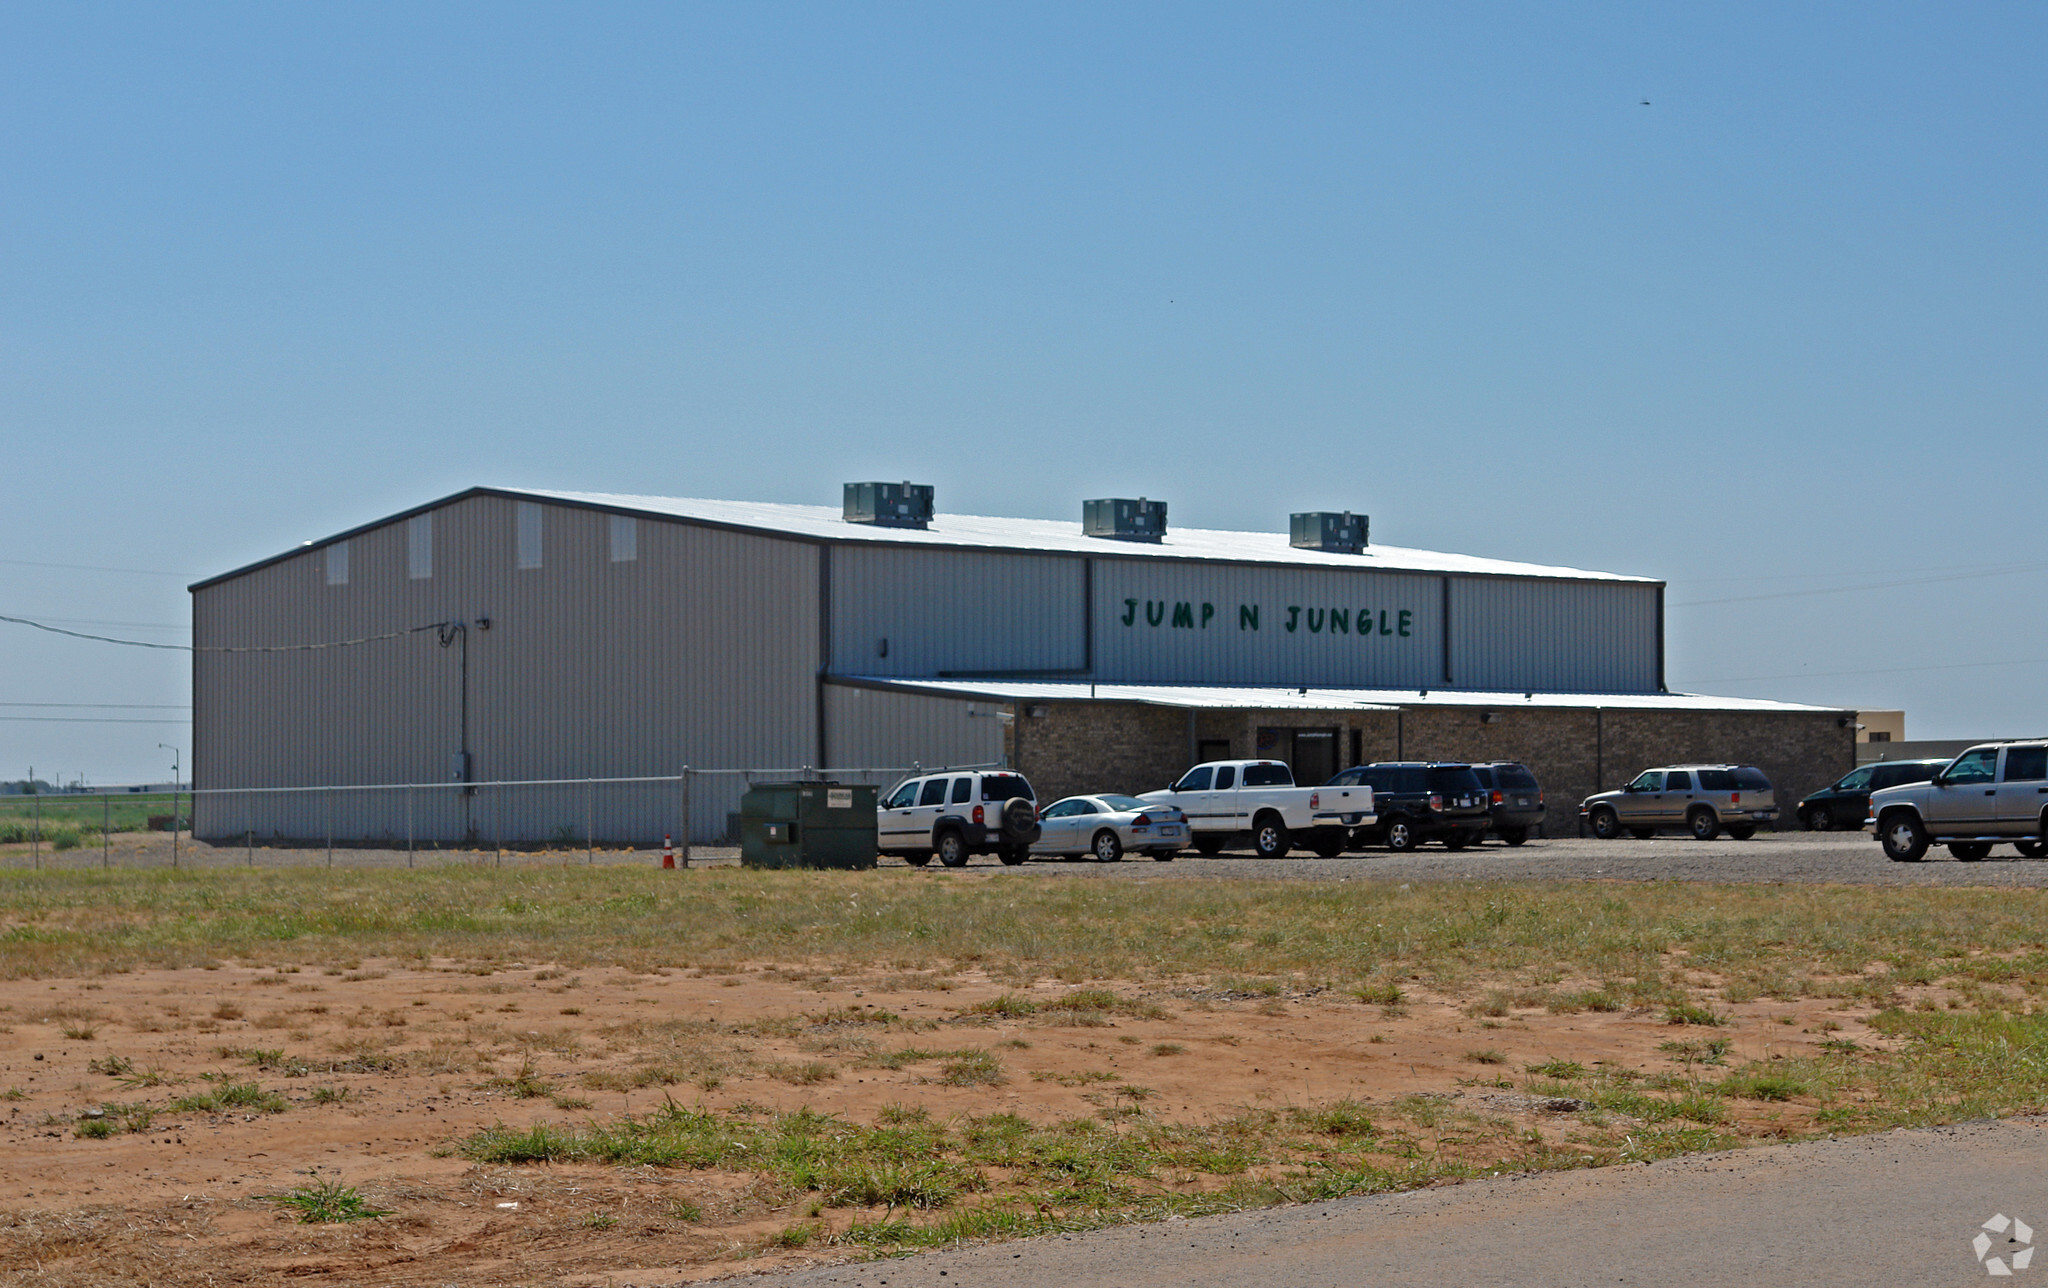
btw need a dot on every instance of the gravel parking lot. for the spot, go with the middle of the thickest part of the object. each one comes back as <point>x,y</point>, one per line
<point>1851,857</point>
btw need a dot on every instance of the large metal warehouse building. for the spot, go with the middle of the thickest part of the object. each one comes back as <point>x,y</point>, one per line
<point>502,634</point>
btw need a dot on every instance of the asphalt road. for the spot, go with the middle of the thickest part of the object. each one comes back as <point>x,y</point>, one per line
<point>1900,1208</point>
<point>1851,857</point>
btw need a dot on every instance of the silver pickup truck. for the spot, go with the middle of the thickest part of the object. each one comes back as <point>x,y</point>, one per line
<point>1996,792</point>
<point>1228,798</point>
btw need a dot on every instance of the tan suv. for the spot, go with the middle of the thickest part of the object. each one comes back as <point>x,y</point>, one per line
<point>1705,800</point>
<point>1996,792</point>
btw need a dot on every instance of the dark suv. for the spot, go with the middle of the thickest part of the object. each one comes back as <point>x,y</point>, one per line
<point>1847,803</point>
<point>1420,801</point>
<point>1515,798</point>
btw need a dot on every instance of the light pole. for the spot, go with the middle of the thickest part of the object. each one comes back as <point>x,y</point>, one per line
<point>177,760</point>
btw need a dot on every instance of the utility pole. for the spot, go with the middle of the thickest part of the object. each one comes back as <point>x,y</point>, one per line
<point>177,761</point>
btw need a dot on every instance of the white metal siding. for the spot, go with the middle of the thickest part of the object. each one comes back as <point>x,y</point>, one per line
<point>1553,636</point>
<point>963,611</point>
<point>869,728</point>
<point>695,653</point>
<point>1163,623</point>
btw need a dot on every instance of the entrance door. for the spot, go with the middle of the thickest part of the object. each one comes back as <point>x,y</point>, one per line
<point>1315,756</point>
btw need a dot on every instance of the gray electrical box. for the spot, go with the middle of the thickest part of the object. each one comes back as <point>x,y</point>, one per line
<point>458,767</point>
<point>1122,519</point>
<point>1322,530</point>
<point>889,505</point>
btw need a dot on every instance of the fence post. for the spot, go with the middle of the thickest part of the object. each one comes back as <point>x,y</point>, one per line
<point>498,829</point>
<point>686,816</point>
<point>589,820</point>
<point>408,825</point>
<point>35,848</point>
<point>249,826</point>
<point>328,796</point>
<point>106,831</point>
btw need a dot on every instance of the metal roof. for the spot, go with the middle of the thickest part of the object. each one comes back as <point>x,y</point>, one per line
<point>1055,536</point>
<point>1169,695</point>
<point>981,532</point>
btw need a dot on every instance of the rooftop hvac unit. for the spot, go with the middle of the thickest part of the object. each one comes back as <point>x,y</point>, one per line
<point>889,505</point>
<point>1122,519</point>
<point>1322,530</point>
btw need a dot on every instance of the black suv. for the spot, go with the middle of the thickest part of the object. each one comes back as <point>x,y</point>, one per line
<point>1419,801</point>
<point>1514,797</point>
<point>1847,803</point>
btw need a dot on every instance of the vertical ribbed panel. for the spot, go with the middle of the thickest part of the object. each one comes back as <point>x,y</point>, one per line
<point>700,651</point>
<point>954,610</point>
<point>1553,636</point>
<point>1188,623</point>
<point>870,728</point>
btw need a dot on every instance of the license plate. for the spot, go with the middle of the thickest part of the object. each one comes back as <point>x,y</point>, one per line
<point>1169,830</point>
<point>1521,800</point>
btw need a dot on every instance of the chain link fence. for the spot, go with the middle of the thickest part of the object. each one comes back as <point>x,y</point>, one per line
<point>381,823</point>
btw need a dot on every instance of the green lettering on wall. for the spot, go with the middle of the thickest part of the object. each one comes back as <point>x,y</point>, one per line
<point>1130,611</point>
<point>1208,611</point>
<point>1155,611</point>
<point>1293,616</point>
<point>1184,616</point>
<point>1315,621</point>
<point>1340,621</point>
<point>1384,628</point>
<point>1247,617</point>
<point>1407,620</point>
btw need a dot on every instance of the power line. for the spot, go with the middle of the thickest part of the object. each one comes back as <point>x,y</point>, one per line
<point>139,572</point>
<point>246,648</point>
<point>1844,590</point>
<point>1889,670</point>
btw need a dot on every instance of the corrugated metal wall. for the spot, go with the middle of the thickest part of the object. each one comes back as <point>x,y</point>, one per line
<point>1189,623</point>
<point>870,727</point>
<point>702,650</point>
<point>1553,636</point>
<point>950,610</point>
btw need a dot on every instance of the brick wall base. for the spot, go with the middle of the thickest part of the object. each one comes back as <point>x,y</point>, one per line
<point>1134,747</point>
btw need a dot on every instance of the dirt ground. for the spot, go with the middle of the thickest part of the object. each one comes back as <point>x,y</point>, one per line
<point>383,1067</point>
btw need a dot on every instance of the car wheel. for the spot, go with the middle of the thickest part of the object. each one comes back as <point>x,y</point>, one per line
<point>1208,846</point>
<point>1328,847</point>
<point>1269,837</point>
<point>1606,823</point>
<point>1456,840</point>
<point>1515,835</point>
<point>952,849</point>
<point>1903,838</point>
<point>1703,825</point>
<point>1012,855</point>
<point>2029,849</point>
<point>1642,833</point>
<point>1816,818</point>
<point>1969,851</point>
<point>1163,856</point>
<point>918,860</point>
<point>1019,820</point>
<point>1108,849</point>
<point>1401,836</point>
<point>1742,832</point>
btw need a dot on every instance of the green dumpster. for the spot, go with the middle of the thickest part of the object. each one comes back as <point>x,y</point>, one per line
<point>807,825</point>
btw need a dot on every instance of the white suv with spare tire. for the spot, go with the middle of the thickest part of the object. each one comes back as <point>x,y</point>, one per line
<point>1992,793</point>
<point>957,814</point>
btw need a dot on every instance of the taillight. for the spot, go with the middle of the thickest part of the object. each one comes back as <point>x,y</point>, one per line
<point>1539,798</point>
<point>1498,798</point>
<point>1435,801</point>
<point>1315,800</point>
<point>1143,820</point>
<point>1735,798</point>
<point>977,814</point>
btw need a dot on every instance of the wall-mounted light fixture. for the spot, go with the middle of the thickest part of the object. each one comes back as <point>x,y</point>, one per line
<point>1489,717</point>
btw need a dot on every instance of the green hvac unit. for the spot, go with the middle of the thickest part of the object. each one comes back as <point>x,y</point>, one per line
<point>807,825</point>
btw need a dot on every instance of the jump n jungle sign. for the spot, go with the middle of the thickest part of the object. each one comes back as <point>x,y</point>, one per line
<point>1293,619</point>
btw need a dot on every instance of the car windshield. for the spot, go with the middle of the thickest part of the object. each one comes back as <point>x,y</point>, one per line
<point>1122,802</point>
<point>1752,780</point>
<point>1856,780</point>
<point>1267,776</point>
<point>1001,787</point>
<point>1514,778</point>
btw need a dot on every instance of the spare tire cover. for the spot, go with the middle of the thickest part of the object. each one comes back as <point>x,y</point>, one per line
<point>1019,816</point>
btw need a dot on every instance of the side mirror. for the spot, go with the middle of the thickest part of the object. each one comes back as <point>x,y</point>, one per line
<point>1940,779</point>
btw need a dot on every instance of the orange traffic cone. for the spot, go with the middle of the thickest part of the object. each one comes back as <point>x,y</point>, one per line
<point>668,852</point>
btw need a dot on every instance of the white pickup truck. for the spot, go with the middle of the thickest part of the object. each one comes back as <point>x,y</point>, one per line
<point>1227,798</point>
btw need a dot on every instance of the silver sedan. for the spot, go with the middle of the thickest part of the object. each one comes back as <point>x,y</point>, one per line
<point>1106,826</point>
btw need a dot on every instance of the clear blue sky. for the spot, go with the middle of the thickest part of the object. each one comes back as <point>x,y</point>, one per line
<point>270,271</point>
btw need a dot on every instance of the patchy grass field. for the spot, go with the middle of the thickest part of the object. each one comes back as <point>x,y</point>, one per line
<point>545,1074</point>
